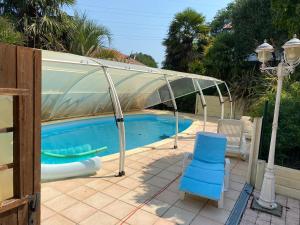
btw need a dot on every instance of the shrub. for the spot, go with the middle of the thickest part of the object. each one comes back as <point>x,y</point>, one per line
<point>288,135</point>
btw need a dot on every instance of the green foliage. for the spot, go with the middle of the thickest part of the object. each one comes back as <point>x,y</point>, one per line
<point>8,34</point>
<point>286,14</point>
<point>223,17</point>
<point>42,22</point>
<point>288,142</point>
<point>86,37</point>
<point>105,53</point>
<point>186,40</point>
<point>147,60</point>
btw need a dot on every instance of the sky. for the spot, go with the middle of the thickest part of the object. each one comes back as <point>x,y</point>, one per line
<point>141,25</point>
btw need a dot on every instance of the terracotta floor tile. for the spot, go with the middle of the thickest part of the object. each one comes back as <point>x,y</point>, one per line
<point>99,184</point>
<point>216,214</point>
<point>162,221</point>
<point>60,203</point>
<point>99,200</point>
<point>49,193</point>
<point>157,181</point>
<point>156,207</point>
<point>168,197</point>
<point>65,186</point>
<point>167,175</point>
<point>118,209</point>
<point>46,212</point>
<point>152,170</point>
<point>57,220</point>
<point>134,198</point>
<point>200,220</point>
<point>82,192</point>
<point>179,216</point>
<point>191,204</point>
<point>115,190</point>
<point>141,176</point>
<point>129,183</point>
<point>78,212</point>
<point>142,217</point>
<point>100,218</point>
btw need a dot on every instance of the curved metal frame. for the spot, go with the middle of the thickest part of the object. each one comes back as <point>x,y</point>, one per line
<point>175,111</point>
<point>221,100</point>
<point>203,103</point>
<point>230,100</point>
<point>119,119</point>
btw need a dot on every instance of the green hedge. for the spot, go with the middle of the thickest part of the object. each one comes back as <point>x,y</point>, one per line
<point>288,135</point>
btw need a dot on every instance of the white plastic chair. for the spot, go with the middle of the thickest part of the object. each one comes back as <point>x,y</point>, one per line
<point>234,132</point>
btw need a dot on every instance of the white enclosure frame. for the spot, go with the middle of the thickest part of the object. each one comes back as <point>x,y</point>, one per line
<point>203,103</point>
<point>56,63</point>
<point>119,119</point>
<point>230,100</point>
<point>221,99</point>
<point>175,111</point>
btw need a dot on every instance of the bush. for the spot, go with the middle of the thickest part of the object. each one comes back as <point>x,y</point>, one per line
<point>288,135</point>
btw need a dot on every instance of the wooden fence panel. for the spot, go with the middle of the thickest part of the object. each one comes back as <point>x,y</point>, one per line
<point>20,75</point>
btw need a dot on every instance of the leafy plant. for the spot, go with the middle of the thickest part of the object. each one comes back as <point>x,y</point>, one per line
<point>8,34</point>
<point>86,37</point>
<point>147,60</point>
<point>288,142</point>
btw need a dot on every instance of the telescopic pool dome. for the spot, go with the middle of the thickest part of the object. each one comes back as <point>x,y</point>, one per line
<point>75,86</point>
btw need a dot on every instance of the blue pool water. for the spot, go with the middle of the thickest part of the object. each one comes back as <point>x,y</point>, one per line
<point>89,134</point>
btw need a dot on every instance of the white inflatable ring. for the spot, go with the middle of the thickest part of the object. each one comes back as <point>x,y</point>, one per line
<point>73,169</point>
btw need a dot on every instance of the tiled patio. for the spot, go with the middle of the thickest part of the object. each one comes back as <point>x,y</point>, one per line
<point>290,213</point>
<point>105,199</point>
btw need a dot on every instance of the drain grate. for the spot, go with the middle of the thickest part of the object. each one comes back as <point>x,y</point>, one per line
<point>240,206</point>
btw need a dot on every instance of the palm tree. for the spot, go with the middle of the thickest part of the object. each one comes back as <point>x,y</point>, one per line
<point>87,37</point>
<point>42,21</point>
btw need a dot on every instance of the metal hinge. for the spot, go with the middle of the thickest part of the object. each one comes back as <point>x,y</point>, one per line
<point>33,205</point>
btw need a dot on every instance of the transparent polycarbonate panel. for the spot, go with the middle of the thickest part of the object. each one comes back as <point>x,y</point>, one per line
<point>6,184</point>
<point>182,87</point>
<point>6,121</point>
<point>88,96</point>
<point>57,79</point>
<point>223,89</point>
<point>133,87</point>
<point>204,84</point>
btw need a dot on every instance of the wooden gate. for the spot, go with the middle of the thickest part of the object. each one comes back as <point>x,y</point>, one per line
<point>20,84</point>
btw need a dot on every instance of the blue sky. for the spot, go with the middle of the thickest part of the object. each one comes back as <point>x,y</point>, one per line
<point>141,25</point>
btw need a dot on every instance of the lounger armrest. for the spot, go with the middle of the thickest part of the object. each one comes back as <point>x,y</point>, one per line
<point>187,157</point>
<point>227,174</point>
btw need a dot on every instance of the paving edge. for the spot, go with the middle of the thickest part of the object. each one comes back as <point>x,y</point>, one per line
<point>240,205</point>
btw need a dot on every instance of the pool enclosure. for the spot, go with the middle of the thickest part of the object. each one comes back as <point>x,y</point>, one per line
<point>77,86</point>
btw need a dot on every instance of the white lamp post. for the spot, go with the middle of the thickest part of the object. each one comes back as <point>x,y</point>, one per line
<point>287,66</point>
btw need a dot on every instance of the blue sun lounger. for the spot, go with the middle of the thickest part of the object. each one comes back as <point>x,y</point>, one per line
<point>204,176</point>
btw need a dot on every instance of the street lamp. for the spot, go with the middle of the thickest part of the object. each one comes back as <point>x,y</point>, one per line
<point>291,58</point>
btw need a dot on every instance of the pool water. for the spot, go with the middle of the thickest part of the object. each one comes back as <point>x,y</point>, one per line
<point>89,134</point>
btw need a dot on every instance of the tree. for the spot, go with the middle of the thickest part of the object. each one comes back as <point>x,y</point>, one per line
<point>43,22</point>
<point>8,34</point>
<point>286,14</point>
<point>223,17</point>
<point>147,60</point>
<point>186,40</point>
<point>86,37</point>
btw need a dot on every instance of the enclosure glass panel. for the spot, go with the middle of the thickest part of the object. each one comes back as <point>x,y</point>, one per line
<point>6,184</point>
<point>6,121</point>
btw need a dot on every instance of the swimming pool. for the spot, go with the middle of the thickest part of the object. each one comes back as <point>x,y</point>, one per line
<point>90,134</point>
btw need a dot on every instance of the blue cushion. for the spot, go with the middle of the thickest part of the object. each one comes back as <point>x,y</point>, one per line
<point>210,147</point>
<point>210,191</point>
<point>204,175</point>
<point>208,166</point>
